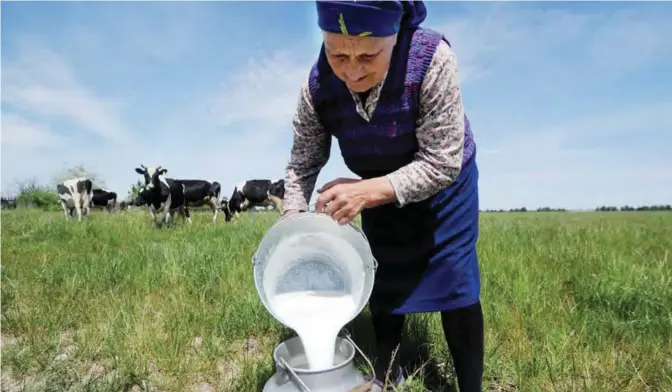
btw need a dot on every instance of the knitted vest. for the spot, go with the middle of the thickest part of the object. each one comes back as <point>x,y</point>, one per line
<point>387,142</point>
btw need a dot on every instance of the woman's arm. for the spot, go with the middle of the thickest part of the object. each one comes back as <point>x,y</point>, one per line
<point>439,130</point>
<point>309,153</point>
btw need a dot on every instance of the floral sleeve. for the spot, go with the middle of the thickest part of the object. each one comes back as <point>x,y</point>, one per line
<point>309,153</point>
<point>439,131</point>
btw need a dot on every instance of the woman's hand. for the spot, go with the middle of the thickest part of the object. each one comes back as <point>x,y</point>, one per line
<point>344,198</point>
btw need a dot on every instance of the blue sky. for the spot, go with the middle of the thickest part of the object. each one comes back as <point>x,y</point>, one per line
<point>571,103</point>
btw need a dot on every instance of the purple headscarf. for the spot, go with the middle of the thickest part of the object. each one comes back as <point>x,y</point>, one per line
<point>369,18</point>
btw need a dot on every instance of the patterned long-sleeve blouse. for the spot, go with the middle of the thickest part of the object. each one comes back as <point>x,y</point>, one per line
<point>439,131</point>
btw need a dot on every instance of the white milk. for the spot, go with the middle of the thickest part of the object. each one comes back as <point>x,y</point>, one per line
<point>317,317</point>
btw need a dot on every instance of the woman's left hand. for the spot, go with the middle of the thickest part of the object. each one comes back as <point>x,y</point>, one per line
<point>344,198</point>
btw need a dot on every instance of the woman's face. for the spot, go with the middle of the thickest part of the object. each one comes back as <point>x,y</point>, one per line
<point>360,62</point>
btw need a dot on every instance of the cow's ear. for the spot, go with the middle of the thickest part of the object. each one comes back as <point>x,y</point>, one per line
<point>163,171</point>
<point>139,171</point>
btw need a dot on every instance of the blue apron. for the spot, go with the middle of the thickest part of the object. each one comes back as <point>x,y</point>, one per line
<point>426,251</point>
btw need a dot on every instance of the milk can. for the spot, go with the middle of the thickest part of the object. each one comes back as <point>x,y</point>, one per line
<point>288,358</point>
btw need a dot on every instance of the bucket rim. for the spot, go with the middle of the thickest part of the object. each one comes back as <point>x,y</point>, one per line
<point>339,340</point>
<point>370,263</point>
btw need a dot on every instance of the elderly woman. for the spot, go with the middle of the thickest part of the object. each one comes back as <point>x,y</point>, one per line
<point>388,90</point>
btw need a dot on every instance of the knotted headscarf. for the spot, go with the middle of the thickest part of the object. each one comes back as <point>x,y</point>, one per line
<point>369,18</point>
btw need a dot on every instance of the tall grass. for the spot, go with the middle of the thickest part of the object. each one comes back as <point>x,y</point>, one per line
<point>572,302</point>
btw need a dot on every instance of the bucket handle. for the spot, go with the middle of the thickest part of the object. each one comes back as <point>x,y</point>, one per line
<point>359,350</point>
<point>289,372</point>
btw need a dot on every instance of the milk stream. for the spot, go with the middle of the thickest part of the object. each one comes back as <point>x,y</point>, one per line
<point>316,317</point>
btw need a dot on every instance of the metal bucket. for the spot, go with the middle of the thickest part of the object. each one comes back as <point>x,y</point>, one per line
<point>292,374</point>
<point>310,251</point>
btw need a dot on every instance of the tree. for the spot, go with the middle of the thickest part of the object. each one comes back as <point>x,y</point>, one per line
<point>79,171</point>
<point>135,189</point>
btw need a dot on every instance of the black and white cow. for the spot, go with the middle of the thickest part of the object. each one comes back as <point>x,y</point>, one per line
<point>200,192</point>
<point>255,192</point>
<point>104,199</point>
<point>224,206</point>
<point>163,193</point>
<point>124,205</point>
<point>8,202</point>
<point>75,193</point>
<point>140,199</point>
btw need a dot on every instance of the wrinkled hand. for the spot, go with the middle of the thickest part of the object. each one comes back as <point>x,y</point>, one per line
<point>343,199</point>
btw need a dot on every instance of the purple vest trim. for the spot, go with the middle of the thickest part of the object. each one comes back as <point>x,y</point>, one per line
<point>387,142</point>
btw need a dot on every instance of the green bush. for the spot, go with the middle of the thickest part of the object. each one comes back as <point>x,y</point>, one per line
<point>32,194</point>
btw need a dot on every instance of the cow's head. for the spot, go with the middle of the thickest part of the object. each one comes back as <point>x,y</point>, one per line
<point>153,175</point>
<point>225,209</point>
<point>140,199</point>
<point>277,189</point>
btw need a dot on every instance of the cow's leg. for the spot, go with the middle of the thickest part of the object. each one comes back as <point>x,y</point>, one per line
<point>187,214</point>
<point>152,212</point>
<point>78,208</point>
<point>166,210</point>
<point>87,207</point>
<point>214,206</point>
<point>170,218</point>
<point>180,211</point>
<point>184,212</point>
<point>277,202</point>
<point>66,211</point>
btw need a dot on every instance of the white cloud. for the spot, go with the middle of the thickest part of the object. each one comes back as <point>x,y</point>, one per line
<point>43,83</point>
<point>263,93</point>
<point>19,133</point>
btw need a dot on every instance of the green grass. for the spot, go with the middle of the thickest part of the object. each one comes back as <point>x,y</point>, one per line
<point>572,302</point>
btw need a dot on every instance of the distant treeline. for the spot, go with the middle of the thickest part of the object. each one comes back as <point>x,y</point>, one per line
<point>641,208</point>
<point>666,207</point>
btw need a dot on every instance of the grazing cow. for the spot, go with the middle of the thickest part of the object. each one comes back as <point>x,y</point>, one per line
<point>161,192</point>
<point>104,199</point>
<point>140,199</point>
<point>75,193</point>
<point>255,192</point>
<point>200,192</point>
<point>9,203</point>
<point>224,206</point>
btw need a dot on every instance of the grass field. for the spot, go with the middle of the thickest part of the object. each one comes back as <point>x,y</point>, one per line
<point>572,302</point>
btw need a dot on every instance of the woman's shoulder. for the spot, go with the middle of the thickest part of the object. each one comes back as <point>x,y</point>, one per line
<point>442,73</point>
<point>443,55</point>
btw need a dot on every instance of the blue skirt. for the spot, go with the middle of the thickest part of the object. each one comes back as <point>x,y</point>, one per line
<point>426,251</point>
